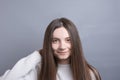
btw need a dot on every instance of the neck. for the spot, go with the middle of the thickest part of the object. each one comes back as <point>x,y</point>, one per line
<point>63,61</point>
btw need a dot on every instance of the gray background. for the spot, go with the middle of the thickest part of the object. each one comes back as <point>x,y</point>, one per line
<point>23,22</point>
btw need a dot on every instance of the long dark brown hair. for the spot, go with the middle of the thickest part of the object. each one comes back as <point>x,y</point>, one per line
<point>79,66</point>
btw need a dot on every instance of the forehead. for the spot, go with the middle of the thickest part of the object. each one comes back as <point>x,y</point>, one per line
<point>60,33</point>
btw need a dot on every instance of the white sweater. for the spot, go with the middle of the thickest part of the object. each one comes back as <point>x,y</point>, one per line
<point>26,69</point>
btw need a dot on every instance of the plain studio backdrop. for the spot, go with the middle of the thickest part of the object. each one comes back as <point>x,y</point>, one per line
<point>23,23</point>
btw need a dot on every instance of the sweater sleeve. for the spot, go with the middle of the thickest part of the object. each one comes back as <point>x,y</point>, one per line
<point>23,67</point>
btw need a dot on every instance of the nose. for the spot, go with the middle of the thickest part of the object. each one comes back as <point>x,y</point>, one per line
<point>62,45</point>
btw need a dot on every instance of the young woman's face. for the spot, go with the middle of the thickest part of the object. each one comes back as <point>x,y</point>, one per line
<point>61,45</point>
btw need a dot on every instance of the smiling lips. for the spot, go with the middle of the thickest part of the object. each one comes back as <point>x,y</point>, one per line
<point>62,53</point>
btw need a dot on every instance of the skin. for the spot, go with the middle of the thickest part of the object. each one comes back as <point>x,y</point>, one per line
<point>61,45</point>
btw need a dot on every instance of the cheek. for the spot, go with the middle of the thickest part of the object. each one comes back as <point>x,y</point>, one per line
<point>54,46</point>
<point>69,46</point>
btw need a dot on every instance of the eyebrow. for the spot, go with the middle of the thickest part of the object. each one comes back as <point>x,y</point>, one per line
<point>58,38</point>
<point>54,38</point>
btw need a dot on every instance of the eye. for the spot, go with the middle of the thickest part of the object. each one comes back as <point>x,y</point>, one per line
<point>68,40</point>
<point>54,41</point>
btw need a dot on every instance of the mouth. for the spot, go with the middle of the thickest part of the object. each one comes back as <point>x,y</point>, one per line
<point>62,53</point>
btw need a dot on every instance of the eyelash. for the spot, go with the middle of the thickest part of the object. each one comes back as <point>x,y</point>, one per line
<point>68,40</point>
<point>54,40</point>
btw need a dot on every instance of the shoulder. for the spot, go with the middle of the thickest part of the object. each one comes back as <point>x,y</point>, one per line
<point>94,74</point>
<point>32,59</point>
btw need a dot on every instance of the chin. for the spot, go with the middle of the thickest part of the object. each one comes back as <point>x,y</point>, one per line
<point>63,57</point>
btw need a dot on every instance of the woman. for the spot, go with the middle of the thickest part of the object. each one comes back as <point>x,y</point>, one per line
<point>60,59</point>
